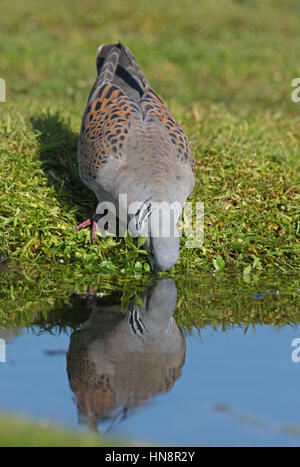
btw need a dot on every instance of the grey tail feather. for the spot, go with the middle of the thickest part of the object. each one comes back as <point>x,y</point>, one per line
<point>116,64</point>
<point>134,68</point>
<point>109,68</point>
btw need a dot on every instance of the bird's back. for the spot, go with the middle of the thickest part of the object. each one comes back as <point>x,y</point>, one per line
<point>129,142</point>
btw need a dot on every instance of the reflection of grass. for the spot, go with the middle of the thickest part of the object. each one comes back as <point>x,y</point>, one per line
<point>223,302</point>
<point>45,296</point>
<point>18,432</point>
<point>225,68</point>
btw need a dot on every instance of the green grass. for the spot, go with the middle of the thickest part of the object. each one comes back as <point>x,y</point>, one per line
<point>20,432</point>
<point>225,69</point>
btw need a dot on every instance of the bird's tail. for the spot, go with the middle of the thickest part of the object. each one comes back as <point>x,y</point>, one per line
<point>116,64</point>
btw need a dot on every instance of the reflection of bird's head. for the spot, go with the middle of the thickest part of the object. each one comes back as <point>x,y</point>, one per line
<point>159,303</point>
<point>120,369</point>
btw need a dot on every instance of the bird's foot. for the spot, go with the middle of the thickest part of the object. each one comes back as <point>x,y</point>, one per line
<point>92,220</point>
<point>89,296</point>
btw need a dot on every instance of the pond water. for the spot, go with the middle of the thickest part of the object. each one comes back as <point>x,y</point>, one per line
<point>207,362</point>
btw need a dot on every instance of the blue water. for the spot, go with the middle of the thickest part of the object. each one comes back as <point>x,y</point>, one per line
<point>235,389</point>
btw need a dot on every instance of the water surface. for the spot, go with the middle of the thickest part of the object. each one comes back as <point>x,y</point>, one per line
<point>205,361</point>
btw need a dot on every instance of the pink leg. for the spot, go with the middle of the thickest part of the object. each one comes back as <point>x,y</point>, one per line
<point>89,296</point>
<point>92,220</point>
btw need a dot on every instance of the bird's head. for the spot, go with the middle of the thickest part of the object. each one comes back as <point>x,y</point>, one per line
<point>163,241</point>
<point>164,252</point>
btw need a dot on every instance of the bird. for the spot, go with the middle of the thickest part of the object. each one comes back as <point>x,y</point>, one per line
<point>117,362</point>
<point>134,155</point>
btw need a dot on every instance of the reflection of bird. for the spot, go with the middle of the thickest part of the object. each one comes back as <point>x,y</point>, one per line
<point>130,145</point>
<point>118,361</point>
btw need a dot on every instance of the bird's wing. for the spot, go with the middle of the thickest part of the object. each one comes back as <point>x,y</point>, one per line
<point>156,114</point>
<point>104,129</point>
